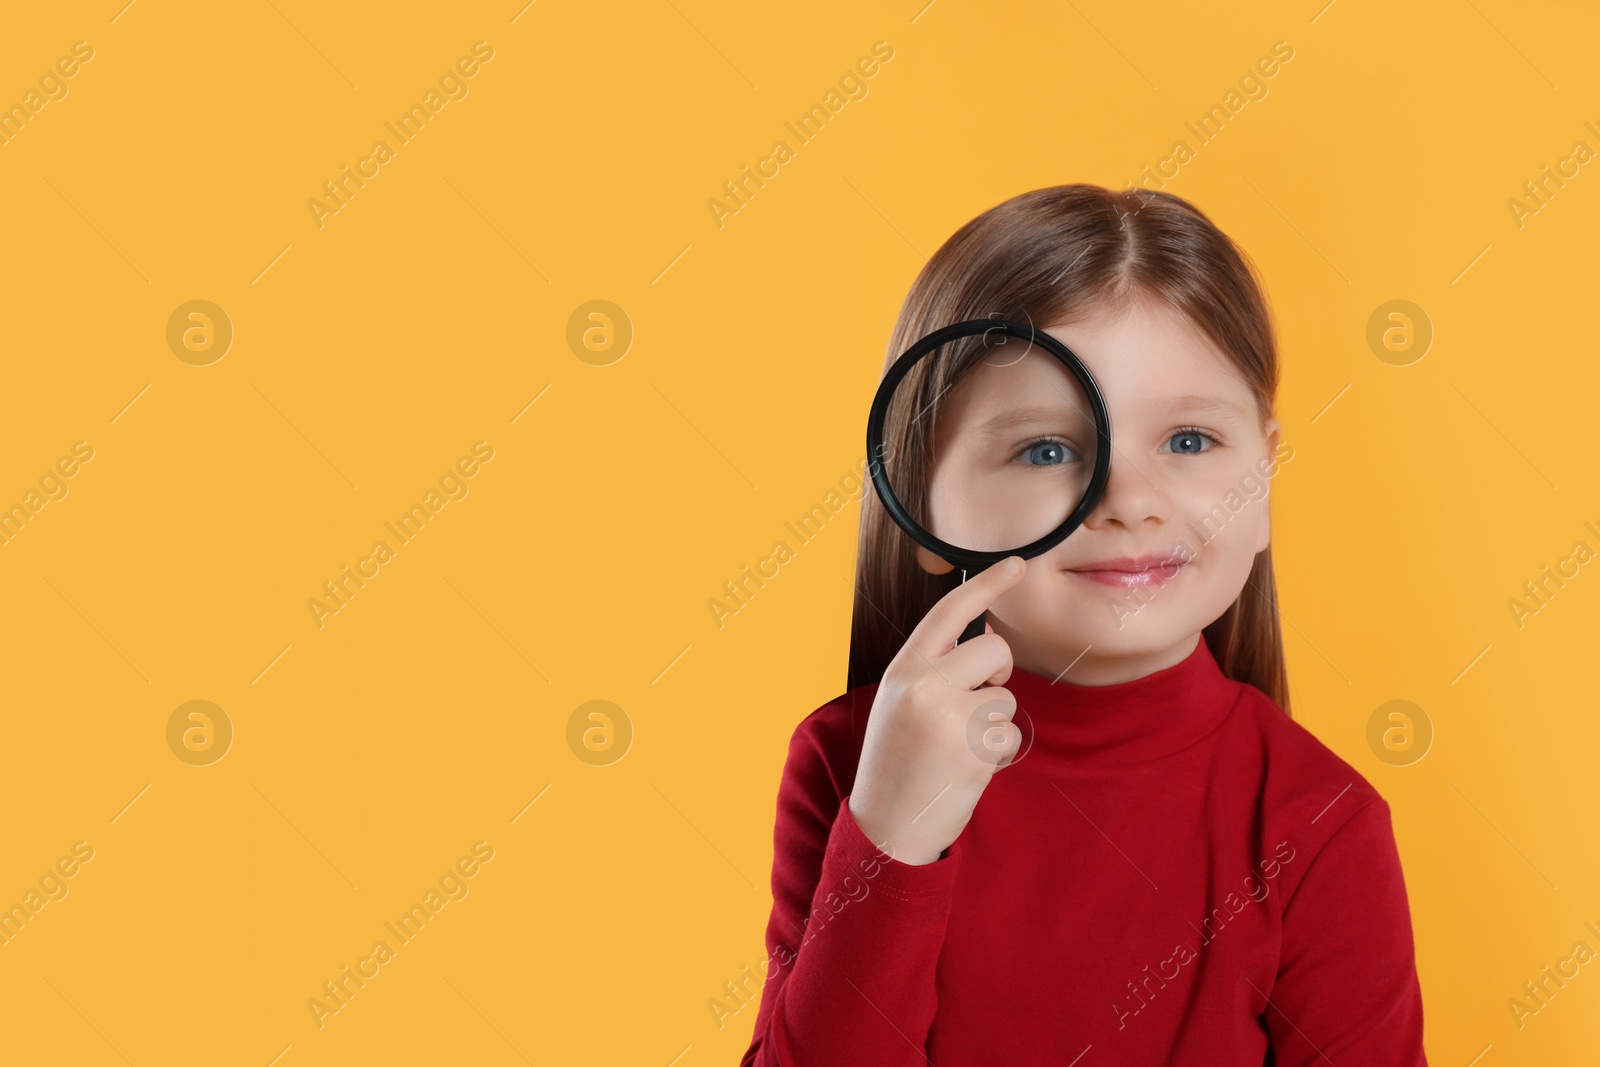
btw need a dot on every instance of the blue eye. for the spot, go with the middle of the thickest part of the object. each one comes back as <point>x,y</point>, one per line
<point>1046,452</point>
<point>1191,441</point>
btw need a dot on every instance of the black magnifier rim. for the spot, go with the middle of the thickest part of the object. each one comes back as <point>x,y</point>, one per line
<point>967,559</point>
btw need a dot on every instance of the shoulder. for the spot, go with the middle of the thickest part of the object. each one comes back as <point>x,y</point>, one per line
<point>1309,792</point>
<point>826,744</point>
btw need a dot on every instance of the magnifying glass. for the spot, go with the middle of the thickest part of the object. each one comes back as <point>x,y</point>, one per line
<point>1007,460</point>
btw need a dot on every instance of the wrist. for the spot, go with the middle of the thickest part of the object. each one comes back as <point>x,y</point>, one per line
<point>904,850</point>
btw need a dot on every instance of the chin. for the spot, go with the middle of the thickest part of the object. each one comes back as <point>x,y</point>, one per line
<point>1069,636</point>
<point>1153,628</point>
<point>1147,641</point>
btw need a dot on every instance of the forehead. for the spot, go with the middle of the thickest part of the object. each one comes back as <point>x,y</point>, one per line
<point>1152,363</point>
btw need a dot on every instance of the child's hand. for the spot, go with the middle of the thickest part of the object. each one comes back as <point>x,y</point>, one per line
<point>921,773</point>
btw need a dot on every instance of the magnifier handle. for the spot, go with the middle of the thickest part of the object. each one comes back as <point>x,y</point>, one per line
<point>975,628</point>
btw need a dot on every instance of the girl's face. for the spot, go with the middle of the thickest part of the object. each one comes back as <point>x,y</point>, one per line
<point>1188,484</point>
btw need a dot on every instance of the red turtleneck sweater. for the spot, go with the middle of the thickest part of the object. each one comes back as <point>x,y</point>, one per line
<point>1174,872</point>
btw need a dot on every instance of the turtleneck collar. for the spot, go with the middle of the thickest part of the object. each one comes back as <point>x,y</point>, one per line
<point>1128,722</point>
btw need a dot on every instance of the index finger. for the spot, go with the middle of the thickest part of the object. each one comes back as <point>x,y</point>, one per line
<point>937,632</point>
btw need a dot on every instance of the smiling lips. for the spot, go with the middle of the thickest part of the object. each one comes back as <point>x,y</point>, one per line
<point>1131,572</point>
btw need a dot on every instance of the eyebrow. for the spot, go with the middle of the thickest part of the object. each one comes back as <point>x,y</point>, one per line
<point>1011,418</point>
<point>1174,405</point>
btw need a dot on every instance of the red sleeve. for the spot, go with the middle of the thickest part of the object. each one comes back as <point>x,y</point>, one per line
<point>1347,987</point>
<point>854,935</point>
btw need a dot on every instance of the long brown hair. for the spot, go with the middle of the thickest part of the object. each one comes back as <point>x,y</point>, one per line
<point>1047,257</point>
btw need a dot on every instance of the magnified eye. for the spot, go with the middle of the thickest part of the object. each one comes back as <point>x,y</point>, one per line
<point>1046,452</point>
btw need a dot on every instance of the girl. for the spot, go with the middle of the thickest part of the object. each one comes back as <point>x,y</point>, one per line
<point>1165,868</point>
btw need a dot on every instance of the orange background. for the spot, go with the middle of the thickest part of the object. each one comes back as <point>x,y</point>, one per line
<point>636,470</point>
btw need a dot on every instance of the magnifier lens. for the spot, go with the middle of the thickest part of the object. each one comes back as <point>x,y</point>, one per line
<point>1010,448</point>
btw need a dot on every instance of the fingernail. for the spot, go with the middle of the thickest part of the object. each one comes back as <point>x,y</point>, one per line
<point>1012,566</point>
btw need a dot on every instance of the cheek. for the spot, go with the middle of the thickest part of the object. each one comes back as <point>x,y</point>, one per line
<point>1229,554</point>
<point>1220,517</point>
<point>1041,594</point>
<point>995,512</point>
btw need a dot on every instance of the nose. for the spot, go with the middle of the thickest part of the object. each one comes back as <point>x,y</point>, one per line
<point>1131,499</point>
